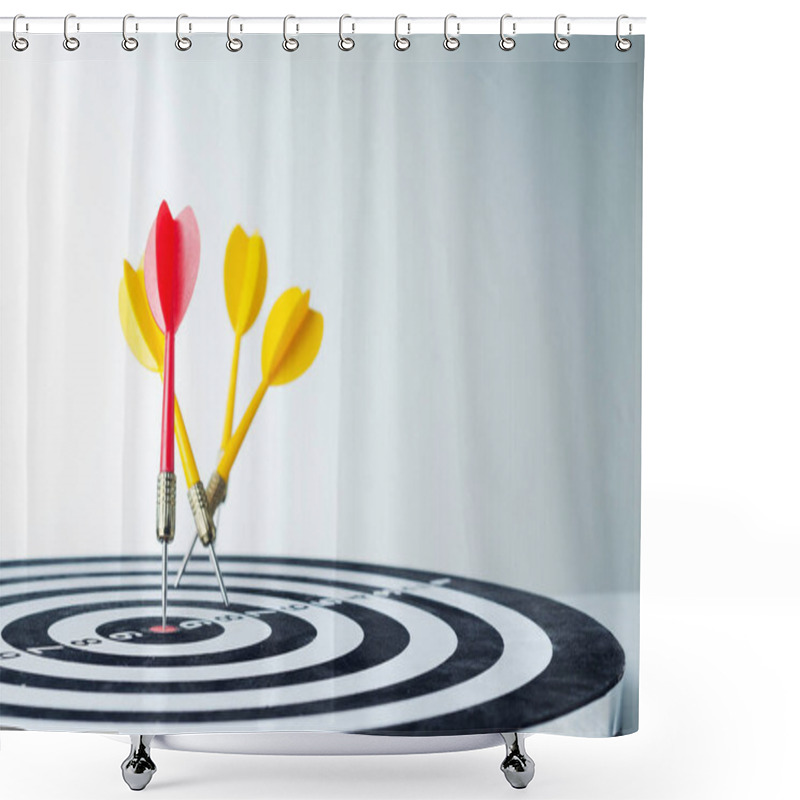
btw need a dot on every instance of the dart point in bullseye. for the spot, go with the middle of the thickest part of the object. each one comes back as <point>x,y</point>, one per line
<point>163,629</point>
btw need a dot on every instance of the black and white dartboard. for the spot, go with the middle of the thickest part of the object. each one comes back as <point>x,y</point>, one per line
<point>304,645</point>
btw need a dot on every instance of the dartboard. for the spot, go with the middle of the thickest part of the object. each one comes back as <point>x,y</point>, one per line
<point>304,645</point>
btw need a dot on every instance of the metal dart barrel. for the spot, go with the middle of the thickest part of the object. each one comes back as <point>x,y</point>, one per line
<point>216,491</point>
<point>165,507</point>
<point>203,521</point>
<point>165,529</point>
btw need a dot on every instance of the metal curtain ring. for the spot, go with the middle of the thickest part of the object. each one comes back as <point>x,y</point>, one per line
<point>182,42</point>
<point>507,42</point>
<point>451,42</point>
<point>71,43</point>
<point>19,43</point>
<point>129,43</point>
<point>289,45</point>
<point>561,43</point>
<point>401,42</point>
<point>622,44</point>
<point>346,42</point>
<point>234,45</point>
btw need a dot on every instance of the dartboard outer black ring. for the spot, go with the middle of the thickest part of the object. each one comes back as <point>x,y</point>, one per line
<point>585,664</point>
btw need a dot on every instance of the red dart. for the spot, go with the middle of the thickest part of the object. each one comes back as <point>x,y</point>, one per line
<point>171,261</point>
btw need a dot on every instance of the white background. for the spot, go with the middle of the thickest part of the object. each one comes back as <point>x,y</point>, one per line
<point>721,436</point>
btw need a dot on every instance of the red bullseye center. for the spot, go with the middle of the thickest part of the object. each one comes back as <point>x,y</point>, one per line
<point>163,629</point>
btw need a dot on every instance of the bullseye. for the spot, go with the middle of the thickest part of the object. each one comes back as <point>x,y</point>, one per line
<point>148,630</point>
<point>163,629</point>
<point>304,645</point>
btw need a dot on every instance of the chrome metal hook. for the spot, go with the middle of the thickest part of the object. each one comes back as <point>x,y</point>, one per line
<point>19,43</point>
<point>401,42</point>
<point>346,42</point>
<point>561,43</point>
<point>289,44</point>
<point>507,42</point>
<point>451,42</point>
<point>234,45</point>
<point>71,43</point>
<point>129,43</point>
<point>622,44</point>
<point>182,42</point>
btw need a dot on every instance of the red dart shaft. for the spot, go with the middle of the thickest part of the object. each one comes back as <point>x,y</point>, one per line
<point>168,406</point>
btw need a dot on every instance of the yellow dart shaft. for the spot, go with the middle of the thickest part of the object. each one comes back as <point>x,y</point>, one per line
<point>185,448</point>
<point>226,433</point>
<point>235,442</point>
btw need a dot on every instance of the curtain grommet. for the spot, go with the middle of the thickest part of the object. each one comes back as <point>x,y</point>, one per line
<point>346,43</point>
<point>183,43</point>
<point>19,43</point>
<point>233,44</point>
<point>451,43</point>
<point>71,43</point>
<point>401,43</point>
<point>561,43</point>
<point>289,44</point>
<point>129,43</point>
<point>507,42</point>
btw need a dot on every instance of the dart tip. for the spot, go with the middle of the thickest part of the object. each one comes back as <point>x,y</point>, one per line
<point>185,562</point>
<point>213,556</point>
<point>164,585</point>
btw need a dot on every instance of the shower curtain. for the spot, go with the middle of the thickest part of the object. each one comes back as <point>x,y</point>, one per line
<point>423,270</point>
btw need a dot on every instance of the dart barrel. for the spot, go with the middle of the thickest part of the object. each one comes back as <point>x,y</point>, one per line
<point>203,522</point>
<point>216,490</point>
<point>165,507</point>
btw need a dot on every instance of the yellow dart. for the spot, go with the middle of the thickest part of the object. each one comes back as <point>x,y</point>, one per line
<point>146,342</point>
<point>292,338</point>
<point>245,276</point>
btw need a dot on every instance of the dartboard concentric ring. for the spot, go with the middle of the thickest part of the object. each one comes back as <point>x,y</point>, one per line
<point>305,645</point>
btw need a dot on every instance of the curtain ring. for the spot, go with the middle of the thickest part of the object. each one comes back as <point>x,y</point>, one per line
<point>19,43</point>
<point>289,45</point>
<point>234,45</point>
<point>451,42</point>
<point>622,44</point>
<point>507,42</point>
<point>401,42</point>
<point>182,42</point>
<point>561,43</point>
<point>71,43</point>
<point>129,43</point>
<point>346,42</point>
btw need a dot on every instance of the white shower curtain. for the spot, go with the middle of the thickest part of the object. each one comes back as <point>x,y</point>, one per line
<point>468,225</point>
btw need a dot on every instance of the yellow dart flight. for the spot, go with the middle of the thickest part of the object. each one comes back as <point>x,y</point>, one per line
<point>245,275</point>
